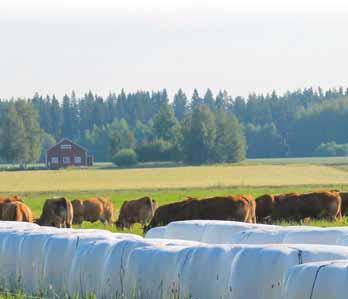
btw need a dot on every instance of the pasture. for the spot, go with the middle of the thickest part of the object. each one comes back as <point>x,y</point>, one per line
<point>170,184</point>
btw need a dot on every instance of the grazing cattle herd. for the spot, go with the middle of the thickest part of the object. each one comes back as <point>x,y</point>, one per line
<point>61,212</point>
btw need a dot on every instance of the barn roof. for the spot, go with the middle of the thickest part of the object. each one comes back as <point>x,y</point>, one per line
<point>69,140</point>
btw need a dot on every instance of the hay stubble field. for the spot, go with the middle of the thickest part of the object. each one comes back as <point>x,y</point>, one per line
<point>171,178</point>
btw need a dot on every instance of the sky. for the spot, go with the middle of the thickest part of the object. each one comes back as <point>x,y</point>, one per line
<point>242,46</point>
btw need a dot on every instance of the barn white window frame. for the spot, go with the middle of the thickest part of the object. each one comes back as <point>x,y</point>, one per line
<point>54,160</point>
<point>66,160</point>
<point>65,146</point>
<point>77,160</point>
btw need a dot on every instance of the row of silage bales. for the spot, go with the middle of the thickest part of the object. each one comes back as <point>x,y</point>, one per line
<point>60,262</point>
<point>220,271</point>
<point>207,231</point>
<point>229,232</point>
<point>271,272</point>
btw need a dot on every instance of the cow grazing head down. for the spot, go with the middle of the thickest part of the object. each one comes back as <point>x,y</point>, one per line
<point>56,212</point>
<point>92,210</point>
<point>136,211</point>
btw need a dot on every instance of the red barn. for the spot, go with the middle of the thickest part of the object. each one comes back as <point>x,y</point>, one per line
<point>67,153</point>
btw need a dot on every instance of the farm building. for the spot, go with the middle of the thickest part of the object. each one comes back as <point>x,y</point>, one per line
<point>67,153</point>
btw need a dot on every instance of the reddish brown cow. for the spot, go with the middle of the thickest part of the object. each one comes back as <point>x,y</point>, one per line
<point>92,210</point>
<point>264,207</point>
<point>15,211</point>
<point>296,207</point>
<point>236,208</point>
<point>136,211</point>
<point>320,205</point>
<point>56,212</point>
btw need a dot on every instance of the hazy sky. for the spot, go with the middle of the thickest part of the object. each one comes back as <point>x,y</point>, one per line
<point>242,46</point>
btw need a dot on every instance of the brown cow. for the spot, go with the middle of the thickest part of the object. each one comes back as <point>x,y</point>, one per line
<point>296,207</point>
<point>56,212</point>
<point>264,207</point>
<point>320,205</point>
<point>136,211</point>
<point>15,211</point>
<point>344,206</point>
<point>235,208</point>
<point>92,210</point>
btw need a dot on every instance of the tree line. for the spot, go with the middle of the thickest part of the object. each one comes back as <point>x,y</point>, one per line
<point>196,129</point>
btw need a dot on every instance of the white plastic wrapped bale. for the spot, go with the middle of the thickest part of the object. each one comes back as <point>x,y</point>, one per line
<point>86,268</point>
<point>153,272</point>
<point>9,241</point>
<point>209,231</point>
<point>156,233</point>
<point>59,254</point>
<point>343,239</point>
<point>16,224</point>
<point>115,270</point>
<point>293,235</point>
<point>10,260</point>
<point>325,236</point>
<point>321,280</point>
<point>207,270</point>
<point>195,271</point>
<point>30,259</point>
<point>258,272</point>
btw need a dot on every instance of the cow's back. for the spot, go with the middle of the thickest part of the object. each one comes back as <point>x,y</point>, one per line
<point>235,208</point>
<point>175,211</point>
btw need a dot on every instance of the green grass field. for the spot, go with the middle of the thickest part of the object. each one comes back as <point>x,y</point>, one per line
<point>169,184</point>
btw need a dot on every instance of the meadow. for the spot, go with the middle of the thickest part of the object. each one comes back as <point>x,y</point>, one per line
<point>169,184</point>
